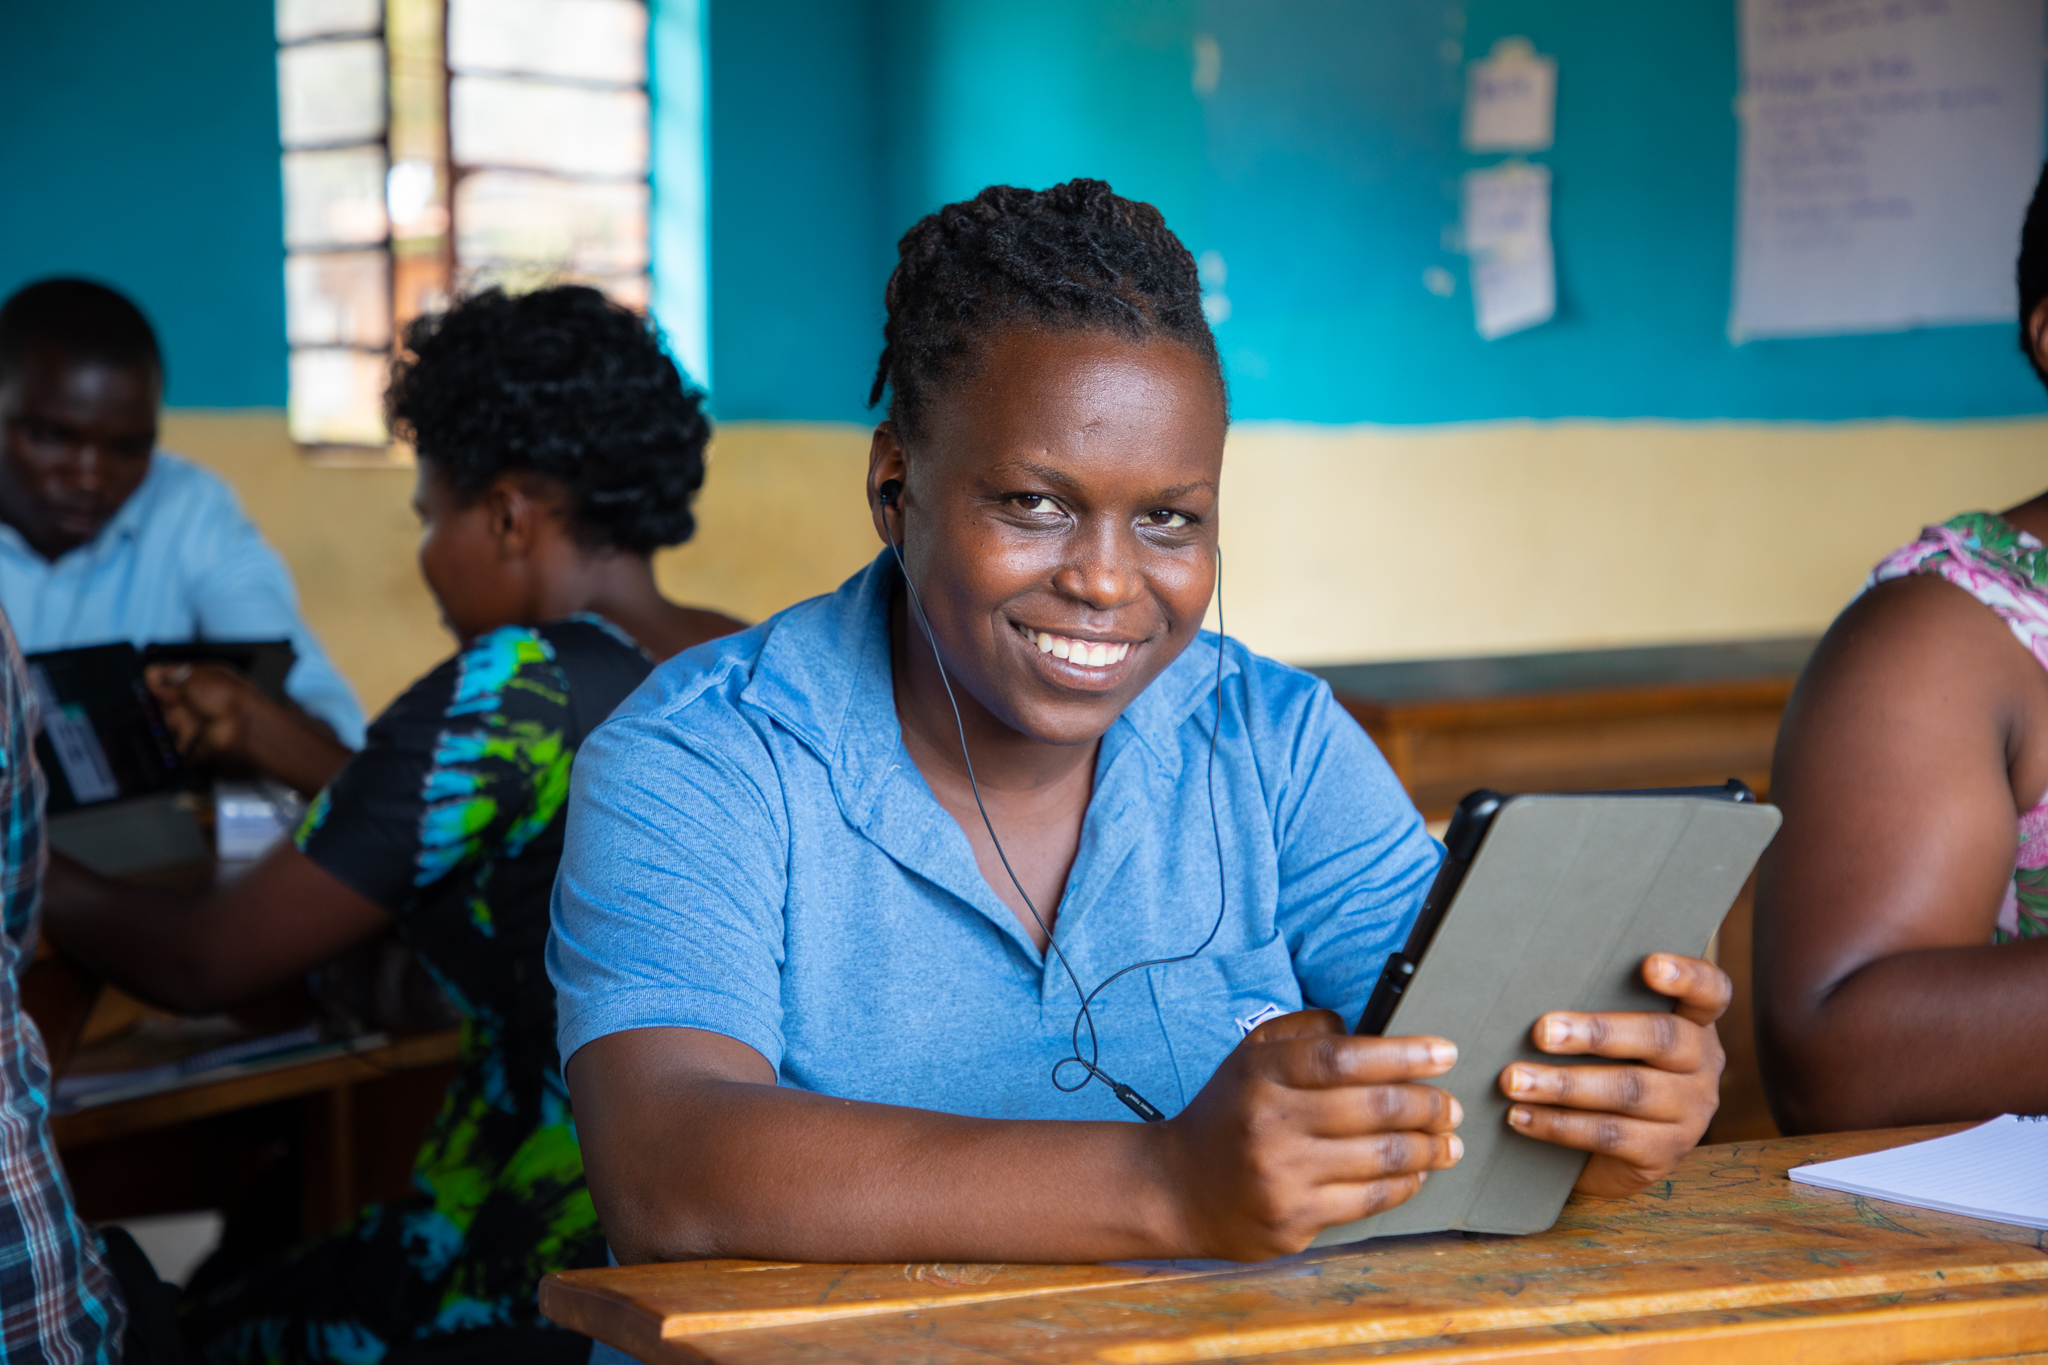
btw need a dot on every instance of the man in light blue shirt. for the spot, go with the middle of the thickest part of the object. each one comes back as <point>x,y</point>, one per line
<point>102,536</point>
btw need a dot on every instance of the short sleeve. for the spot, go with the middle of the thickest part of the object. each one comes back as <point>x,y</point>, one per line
<point>668,908</point>
<point>1355,860</point>
<point>473,760</point>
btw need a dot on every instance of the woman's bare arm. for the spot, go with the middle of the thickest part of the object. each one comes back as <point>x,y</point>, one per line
<point>1903,760</point>
<point>199,954</point>
<point>693,1152</point>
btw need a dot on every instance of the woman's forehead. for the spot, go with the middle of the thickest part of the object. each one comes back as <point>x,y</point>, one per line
<point>1078,404</point>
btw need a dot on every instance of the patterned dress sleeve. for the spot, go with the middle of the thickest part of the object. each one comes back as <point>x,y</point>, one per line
<point>471,762</point>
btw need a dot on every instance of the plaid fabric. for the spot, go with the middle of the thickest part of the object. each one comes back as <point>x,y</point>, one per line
<point>58,1302</point>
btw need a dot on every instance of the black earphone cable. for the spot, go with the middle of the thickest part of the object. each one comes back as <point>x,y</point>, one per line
<point>1132,1100</point>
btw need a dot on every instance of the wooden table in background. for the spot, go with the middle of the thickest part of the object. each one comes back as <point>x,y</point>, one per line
<point>182,1147</point>
<point>1727,1261</point>
<point>1667,716</point>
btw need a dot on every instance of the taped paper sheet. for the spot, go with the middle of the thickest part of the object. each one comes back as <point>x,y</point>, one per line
<point>1511,99</point>
<point>1889,148</point>
<point>1507,235</point>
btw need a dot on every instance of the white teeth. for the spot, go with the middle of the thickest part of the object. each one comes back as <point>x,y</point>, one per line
<point>1082,652</point>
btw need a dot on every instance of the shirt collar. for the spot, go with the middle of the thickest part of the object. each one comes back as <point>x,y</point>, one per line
<point>824,673</point>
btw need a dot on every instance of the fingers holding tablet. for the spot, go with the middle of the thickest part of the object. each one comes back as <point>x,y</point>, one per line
<point>1305,1126</point>
<point>1637,1120</point>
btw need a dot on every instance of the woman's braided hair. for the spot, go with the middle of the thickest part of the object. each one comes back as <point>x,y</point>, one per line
<point>565,384</point>
<point>1074,257</point>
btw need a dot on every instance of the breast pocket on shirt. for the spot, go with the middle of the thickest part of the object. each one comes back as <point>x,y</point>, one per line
<point>1209,1003</point>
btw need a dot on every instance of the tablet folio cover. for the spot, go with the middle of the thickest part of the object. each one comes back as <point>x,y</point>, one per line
<point>1567,897</point>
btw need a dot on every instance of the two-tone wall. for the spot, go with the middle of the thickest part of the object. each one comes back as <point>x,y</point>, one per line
<point>1394,486</point>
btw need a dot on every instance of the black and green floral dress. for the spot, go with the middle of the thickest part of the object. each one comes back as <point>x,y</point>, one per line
<point>451,819</point>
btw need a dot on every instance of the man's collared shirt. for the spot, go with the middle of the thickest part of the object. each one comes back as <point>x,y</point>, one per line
<point>58,1302</point>
<point>752,851</point>
<point>180,561</point>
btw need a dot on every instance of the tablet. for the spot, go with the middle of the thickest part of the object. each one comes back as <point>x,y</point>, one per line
<point>103,738</point>
<point>120,799</point>
<point>266,663</point>
<point>1547,902</point>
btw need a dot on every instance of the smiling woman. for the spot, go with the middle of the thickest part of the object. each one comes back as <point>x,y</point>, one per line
<point>814,1009</point>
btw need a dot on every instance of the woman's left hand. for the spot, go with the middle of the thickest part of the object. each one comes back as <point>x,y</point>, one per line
<point>1637,1120</point>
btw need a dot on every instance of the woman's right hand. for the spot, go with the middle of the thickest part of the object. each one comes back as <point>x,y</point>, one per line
<point>219,718</point>
<point>211,710</point>
<point>1306,1126</point>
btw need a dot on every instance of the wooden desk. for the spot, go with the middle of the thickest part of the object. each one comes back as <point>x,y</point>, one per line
<point>1668,716</point>
<point>1728,1261</point>
<point>354,1118</point>
<point>283,1079</point>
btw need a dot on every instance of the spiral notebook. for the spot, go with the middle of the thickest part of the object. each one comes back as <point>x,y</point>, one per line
<point>1997,1171</point>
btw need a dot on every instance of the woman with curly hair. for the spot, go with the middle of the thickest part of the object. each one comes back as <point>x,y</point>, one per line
<point>558,449</point>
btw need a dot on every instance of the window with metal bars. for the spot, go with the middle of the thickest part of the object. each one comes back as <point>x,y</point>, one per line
<point>432,147</point>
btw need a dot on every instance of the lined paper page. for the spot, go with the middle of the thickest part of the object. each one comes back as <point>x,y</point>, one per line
<point>1996,1171</point>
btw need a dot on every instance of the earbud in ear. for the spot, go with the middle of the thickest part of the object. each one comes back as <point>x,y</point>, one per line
<point>888,492</point>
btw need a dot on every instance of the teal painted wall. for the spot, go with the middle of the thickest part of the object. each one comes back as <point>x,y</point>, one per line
<point>1334,157</point>
<point>800,245</point>
<point>1324,169</point>
<point>138,145</point>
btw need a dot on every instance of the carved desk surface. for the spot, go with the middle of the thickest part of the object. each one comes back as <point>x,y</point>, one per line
<point>1726,1262</point>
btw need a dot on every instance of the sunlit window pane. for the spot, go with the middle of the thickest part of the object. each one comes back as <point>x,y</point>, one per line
<point>337,397</point>
<point>580,228</point>
<point>298,20</point>
<point>520,278</point>
<point>334,198</point>
<point>339,298</point>
<point>330,92</point>
<point>635,291</point>
<point>532,125</point>
<point>589,40</point>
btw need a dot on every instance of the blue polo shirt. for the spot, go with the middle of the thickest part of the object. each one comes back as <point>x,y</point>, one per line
<point>752,851</point>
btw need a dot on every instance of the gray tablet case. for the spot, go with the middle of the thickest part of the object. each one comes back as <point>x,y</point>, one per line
<point>1566,898</point>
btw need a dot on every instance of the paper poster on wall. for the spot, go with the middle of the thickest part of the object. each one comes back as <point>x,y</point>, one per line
<point>1889,148</point>
<point>1511,99</point>
<point>1507,236</point>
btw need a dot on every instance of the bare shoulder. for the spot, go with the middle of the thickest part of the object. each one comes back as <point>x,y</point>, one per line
<point>1917,686</point>
<point>1923,642</point>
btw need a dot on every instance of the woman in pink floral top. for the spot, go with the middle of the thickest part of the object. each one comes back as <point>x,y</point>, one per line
<point>1902,914</point>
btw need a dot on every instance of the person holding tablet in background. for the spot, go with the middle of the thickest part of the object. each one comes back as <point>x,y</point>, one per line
<point>558,449</point>
<point>814,1007</point>
<point>104,537</point>
<point>1902,915</point>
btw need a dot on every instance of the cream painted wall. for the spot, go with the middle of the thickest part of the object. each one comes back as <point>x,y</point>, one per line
<point>1340,543</point>
<point>780,519</point>
<point>1358,543</point>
